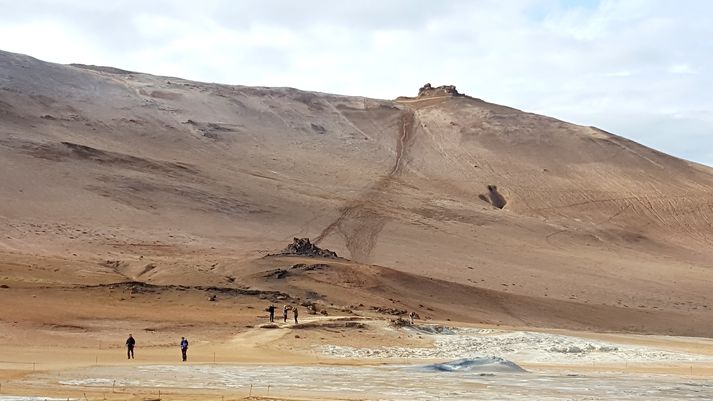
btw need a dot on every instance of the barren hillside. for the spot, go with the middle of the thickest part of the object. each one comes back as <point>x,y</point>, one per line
<point>498,215</point>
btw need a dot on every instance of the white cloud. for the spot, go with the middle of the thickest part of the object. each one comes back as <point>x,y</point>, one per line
<point>681,69</point>
<point>53,39</point>
<point>631,67</point>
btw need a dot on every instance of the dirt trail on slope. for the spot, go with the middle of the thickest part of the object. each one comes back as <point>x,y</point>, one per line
<point>360,221</point>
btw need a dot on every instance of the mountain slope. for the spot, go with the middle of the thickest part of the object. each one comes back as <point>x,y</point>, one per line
<point>103,164</point>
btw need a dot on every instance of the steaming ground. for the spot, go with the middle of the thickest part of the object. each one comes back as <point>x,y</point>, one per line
<point>492,364</point>
<point>522,346</point>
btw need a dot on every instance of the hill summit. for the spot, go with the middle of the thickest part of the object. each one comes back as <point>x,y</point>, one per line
<point>444,90</point>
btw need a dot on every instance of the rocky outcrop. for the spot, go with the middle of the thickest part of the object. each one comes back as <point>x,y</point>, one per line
<point>427,91</point>
<point>444,90</point>
<point>303,247</point>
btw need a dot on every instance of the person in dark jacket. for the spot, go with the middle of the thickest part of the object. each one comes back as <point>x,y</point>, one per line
<point>184,348</point>
<point>271,310</point>
<point>130,343</point>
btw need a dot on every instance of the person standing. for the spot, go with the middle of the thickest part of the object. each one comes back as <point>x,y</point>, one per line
<point>130,343</point>
<point>295,313</point>
<point>184,348</point>
<point>285,310</point>
<point>271,310</point>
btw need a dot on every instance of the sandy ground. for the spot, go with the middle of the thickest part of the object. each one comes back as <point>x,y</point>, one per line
<point>298,363</point>
<point>64,322</point>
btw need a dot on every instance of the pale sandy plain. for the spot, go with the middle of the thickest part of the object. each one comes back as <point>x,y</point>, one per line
<point>127,200</point>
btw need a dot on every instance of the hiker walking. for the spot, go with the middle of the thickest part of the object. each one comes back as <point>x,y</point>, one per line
<point>271,310</point>
<point>130,343</point>
<point>295,313</point>
<point>184,348</point>
<point>285,309</point>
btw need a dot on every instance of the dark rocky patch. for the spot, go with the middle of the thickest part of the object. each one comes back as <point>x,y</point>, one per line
<point>138,287</point>
<point>303,247</point>
<point>305,268</point>
<point>389,311</point>
<point>400,322</point>
<point>331,325</point>
<point>318,128</point>
<point>494,197</point>
<point>277,274</point>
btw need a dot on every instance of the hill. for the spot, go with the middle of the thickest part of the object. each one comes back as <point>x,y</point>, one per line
<point>494,214</point>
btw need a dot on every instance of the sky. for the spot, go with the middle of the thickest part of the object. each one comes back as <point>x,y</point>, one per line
<point>642,69</point>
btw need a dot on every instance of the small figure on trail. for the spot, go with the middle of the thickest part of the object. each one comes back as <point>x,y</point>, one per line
<point>295,313</point>
<point>130,343</point>
<point>184,348</point>
<point>412,316</point>
<point>285,310</point>
<point>271,310</point>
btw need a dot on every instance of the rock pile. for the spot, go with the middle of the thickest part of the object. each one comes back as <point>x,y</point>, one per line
<point>303,247</point>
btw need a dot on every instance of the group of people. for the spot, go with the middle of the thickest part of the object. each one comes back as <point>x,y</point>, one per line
<point>131,343</point>
<point>285,312</point>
